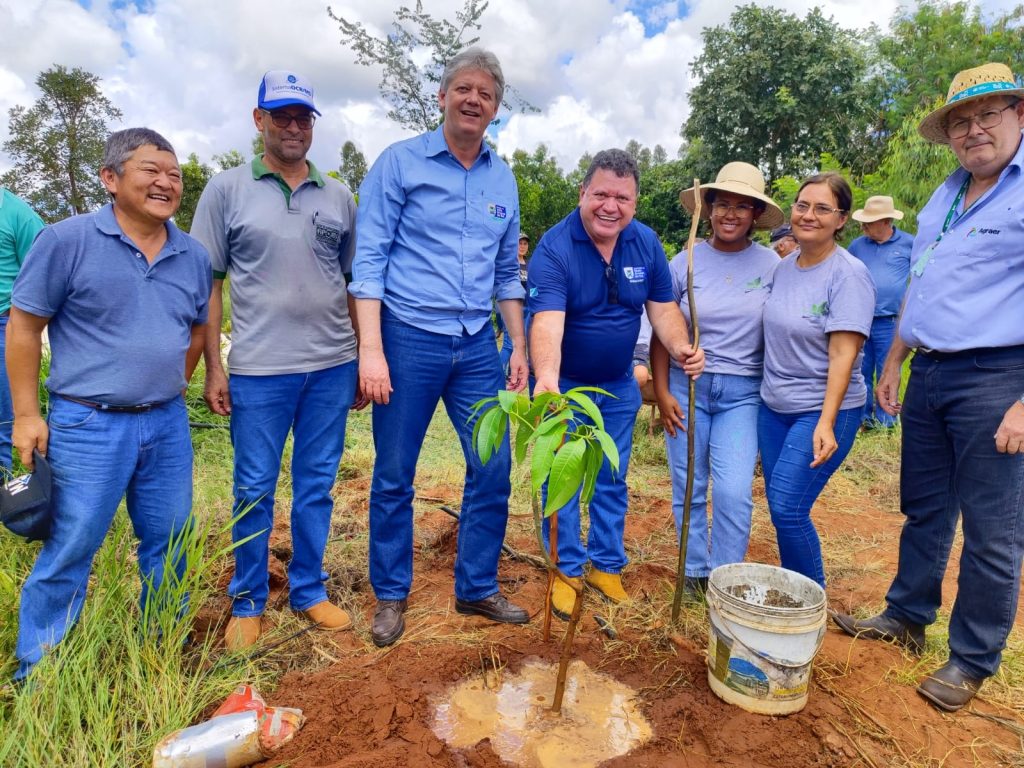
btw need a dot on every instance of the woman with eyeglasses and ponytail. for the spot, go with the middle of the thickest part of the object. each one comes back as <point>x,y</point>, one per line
<point>815,323</point>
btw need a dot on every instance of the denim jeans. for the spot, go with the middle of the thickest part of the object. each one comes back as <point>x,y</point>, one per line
<point>605,548</point>
<point>6,406</point>
<point>314,406</point>
<point>950,469</point>
<point>876,347</point>
<point>427,367</point>
<point>792,486</point>
<point>725,449</point>
<point>97,459</point>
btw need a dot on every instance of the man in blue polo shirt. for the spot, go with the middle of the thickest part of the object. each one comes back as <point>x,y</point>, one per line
<point>438,227</point>
<point>963,413</point>
<point>885,250</point>
<point>590,279</point>
<point>19,225</point>
<point>123,294</point>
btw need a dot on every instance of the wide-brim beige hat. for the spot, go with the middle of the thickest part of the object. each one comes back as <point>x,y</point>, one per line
<point>740,179</point>
<point>877,208</point>
<point>987,80</point>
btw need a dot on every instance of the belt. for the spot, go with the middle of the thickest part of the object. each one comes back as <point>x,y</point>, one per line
<point>935,354</point>
<point>141,408</point>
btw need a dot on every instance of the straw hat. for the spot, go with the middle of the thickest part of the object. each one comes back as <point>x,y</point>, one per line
<point>877,208</point>
<point>741,179</point>
<point>986,80</point>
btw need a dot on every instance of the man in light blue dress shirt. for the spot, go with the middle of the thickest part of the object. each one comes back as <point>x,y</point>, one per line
<point>438,226</point>
<point>885,250</point>
<point>963,412</point>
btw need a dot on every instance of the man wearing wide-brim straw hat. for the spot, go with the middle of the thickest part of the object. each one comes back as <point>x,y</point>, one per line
<point>963,413</point>
<point>885,251</point>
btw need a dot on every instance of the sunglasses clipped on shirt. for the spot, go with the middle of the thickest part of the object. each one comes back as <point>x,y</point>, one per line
<point>613,283</point>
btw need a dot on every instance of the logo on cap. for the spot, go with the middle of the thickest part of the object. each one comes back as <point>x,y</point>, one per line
<point>291,78</point>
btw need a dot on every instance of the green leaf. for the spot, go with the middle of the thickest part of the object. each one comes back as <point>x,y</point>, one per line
<point>608,445</point>
<point>543,455</point>
<point>524,431</point>
<point>507,400</point>
<point>592,465</point>
<point>552,422</point>
<point>566,475</point>
<point>589,406</point>
<point>479,405</point>
<point>490,429</point>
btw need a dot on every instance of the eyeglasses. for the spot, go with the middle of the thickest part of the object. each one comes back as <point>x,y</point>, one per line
<point>820,209</point>
<point>613,283</point>
<point>284,119</point>
<point>722,209</point>
<point>990,118</point>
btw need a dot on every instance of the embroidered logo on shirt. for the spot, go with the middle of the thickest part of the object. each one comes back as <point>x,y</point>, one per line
<point>328,235</point>
<point>496,211</point>
<point>755,285</point>
<point>983,231</point>
<point>635,274</point>
<point>817,310</point>
<point>533,293</point>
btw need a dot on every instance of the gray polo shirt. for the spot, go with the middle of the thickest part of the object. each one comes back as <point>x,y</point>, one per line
<point>804,307</point>
<point>286,255</point>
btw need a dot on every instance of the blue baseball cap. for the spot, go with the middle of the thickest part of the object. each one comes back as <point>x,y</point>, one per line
<point>25,502</point>
<point>281,88</point>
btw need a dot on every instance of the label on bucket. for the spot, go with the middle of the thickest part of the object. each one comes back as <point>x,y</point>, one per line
<point>752,676</point>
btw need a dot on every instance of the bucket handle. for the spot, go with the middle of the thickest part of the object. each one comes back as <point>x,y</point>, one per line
<point>762,654</point>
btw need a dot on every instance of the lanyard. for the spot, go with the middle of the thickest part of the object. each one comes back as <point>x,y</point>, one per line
<point>951,216</point>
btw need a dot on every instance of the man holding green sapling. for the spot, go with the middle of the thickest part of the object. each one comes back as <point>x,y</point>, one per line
<point>123,295</point>
<point>438,233</point>
<point>589,281</point>
<point>284,234</point>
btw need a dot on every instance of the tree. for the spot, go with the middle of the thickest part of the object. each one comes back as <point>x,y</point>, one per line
<point>545,195</point>
<point>230,159</point>
<point>777,91</point>
<point>928,44</point>
<point>658,204</point>
<point>353,166</point>
<point>57,144</point>
<point>194,178</point>
<point>410,87</point>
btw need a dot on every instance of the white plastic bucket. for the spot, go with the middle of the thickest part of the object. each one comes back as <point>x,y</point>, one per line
<point>766,626</point>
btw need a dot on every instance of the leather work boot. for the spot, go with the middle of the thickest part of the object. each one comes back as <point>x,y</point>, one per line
<point>949,687</point>
<point>609,585</point>
<point>388,622</point>
<point>497,607</point>
<point>242,632</point>
<point>882,627</point>
<point>563,597</point>
<point>328,616</point>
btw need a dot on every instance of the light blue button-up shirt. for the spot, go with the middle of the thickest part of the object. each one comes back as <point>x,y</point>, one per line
<point>967,292</point>
<point>436,242</point>
<point>889,265</point>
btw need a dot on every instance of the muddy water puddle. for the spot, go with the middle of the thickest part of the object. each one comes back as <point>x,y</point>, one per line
<point>600,718</point>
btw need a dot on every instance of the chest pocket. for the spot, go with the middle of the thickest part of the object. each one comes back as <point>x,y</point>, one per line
<point>493,217</point>
<point>328,236</point>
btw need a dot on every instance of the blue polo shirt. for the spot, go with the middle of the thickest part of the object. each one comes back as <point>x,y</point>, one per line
<point>889,265</point>
<point>437,242</point>
<point>119,326</point>
<point>567,274</point>
<point>967,290</point>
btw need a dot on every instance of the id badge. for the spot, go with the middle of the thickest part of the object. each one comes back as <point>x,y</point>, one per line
<point>918,269</point>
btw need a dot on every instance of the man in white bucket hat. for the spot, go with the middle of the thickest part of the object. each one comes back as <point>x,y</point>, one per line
<point>963,415</point>
<point>885,251</point>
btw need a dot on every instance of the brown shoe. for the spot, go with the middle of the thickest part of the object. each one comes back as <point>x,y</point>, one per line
<point>328,616</point>
<point>949,687</point>
<point>882,627</point>
<point>388,622</point>
<point>497,607</point>
<point>242,632</point>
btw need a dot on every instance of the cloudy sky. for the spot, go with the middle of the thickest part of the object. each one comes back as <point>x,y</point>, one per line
<point>601,72</point>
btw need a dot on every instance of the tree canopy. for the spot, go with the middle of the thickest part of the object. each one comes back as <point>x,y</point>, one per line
<point>57,144</point>
<point>353,166</point>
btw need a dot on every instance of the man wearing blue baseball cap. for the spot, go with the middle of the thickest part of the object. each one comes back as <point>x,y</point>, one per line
<point>284,234</point>
<point>963,412</point>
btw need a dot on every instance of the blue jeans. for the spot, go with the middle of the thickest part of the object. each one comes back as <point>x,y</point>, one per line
<point>605,548</point>
<point>460,370</point>
<point>97,459</point>
<point>6,406</point>
<point>314,406</point>
<point>792,486</point>
<point>876,347</point>
<point>725,449</point>
<point>950,469</point>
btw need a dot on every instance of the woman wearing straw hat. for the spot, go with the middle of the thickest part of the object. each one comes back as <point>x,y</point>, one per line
<point>731,277</point>
<point>815,322</point>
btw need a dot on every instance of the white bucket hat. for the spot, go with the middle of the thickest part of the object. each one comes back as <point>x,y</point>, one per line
<point>877,208</point>
<point>987,80</point>
<point>741,179</point>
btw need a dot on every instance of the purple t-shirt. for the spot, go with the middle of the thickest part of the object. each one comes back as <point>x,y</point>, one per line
<point>804,307</point>
<point>730,290</point>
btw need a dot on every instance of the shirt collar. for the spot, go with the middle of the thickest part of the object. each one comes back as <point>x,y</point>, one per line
<point>259,170</point>
<point>106,222</point>
<point>437,145</point>
<point>579,232</point>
